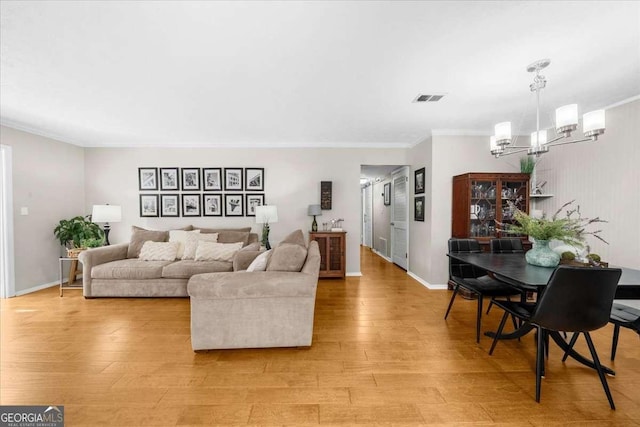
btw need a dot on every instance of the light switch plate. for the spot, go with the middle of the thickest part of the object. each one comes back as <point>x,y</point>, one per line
<point>24,211</point>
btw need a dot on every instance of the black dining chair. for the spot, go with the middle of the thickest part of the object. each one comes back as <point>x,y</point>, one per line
<point>506,245</point>
<point>474,279</point>
<point>623,316</point>
<point>576,299</point>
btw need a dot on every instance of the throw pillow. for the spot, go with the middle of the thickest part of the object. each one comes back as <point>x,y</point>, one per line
<point>234,237</point>
<point>287,257</point>
<point>212,251</point>
<point>220,230</point>
<point>158,251</point>
<point>191,245</point>
<point>140,235</point>
<point>296,238</point>
<point>260,263</point>
<point>180,236</point>
<point>250,247</point>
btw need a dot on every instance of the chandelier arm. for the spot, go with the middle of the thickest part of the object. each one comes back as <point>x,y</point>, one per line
<point>508,153</point>
<point>572,142</point>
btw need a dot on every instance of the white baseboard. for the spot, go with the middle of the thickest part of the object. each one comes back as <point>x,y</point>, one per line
<point>380,255</point>
<point>353,274</point>
<point>43,286</point>
<point>425,283</point>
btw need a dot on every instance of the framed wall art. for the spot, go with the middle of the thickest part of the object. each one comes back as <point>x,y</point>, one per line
<point>190,205</point>
<point>147,179</point>
<point>418,211</point>
<point>169,179</point>
<point>169,205</point>
<point>254,179</point>
<point>325,195</point>
<point>212,179</point>
<point>148,205</point>
<point>387,194</point>
<point>419,181</point>
<point>212,204</point>
<point>233,205</point>
<point>190,179</point>
<point>233,179</point>
<point>253,200</point>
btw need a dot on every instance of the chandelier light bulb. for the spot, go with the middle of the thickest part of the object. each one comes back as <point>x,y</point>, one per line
<point>538,138</point>
<point>503,133</point>
<point>593,123</point>
<point>567,118</point>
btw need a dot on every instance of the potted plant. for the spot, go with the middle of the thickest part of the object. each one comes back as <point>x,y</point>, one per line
<point>78,233</point>
<point>570,230</point>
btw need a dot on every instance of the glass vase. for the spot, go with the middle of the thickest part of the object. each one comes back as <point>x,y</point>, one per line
<point>542,255</point>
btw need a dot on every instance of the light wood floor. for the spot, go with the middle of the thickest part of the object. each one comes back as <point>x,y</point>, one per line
<point>381,353</point>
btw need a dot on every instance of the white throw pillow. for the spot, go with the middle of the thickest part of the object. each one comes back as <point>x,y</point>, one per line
<point>191,244</point>
<point>180,236</point>
<point>212,251</point>
<point>158,251</point>
<point>260,263</point>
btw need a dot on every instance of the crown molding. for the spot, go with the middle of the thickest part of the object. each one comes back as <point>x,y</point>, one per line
<point>624,101</point>
<point>30,129</point>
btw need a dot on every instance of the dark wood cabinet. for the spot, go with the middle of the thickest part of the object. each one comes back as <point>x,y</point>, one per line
<point>481,199</point>
<point>332,252</point>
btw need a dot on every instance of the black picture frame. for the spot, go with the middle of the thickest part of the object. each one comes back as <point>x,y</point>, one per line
<point>251,201</point>
<point>212,204</point>
<point>418,208</point>
<point>387,194</point>
<point>212,179</point>
<point>149,205</point>
<point>419,181</point>
<point>325,195</point>
<point>254,179</point>
<point>191,205</point>
<point>170,205</point>
<point>190,179</point>
<point>169,179</point>
<point>232,179</point>
<point>147,179</point>
<point>233,205</point>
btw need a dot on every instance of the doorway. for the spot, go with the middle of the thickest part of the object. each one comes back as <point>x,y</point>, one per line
<point>7,275</point>
<point>400,217</point>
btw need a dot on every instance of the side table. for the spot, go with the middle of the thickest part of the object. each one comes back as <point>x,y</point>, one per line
<point>73,271</point>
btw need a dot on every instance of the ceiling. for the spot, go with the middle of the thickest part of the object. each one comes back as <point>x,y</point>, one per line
<point>297,74</point>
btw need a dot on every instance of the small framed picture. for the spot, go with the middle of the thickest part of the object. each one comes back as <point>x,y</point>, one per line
<point>387,194</point>
<point>169,179</point>
<point>254,179</point>
<point>147,179</point>
<point>233,205</point>
<point>190,179</point>
<point>419,181</point>
<point>169,205</point>
<point>212,204</point>
<point>212,179</point>
<point>253,200</point>
<point>148,205</point>
<point>418,211</point>
<point>233,179</point>
<point>190,205</point>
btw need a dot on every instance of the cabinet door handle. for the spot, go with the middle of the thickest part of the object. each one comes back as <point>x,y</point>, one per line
<point>392,224</point>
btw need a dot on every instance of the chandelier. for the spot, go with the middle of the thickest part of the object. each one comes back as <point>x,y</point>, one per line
<point>566,122</point>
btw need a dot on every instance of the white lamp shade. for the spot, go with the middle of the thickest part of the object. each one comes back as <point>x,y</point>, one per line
<point>538,138</point>
<point>106,213</point>
<point>266,214</point>
<point>492,143</point>
<point>503,131</point>
<point>567,115</point>
<point>593,120</point>
<point>314,210</point>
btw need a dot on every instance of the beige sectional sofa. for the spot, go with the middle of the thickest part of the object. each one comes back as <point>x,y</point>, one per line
<point>116,271</point>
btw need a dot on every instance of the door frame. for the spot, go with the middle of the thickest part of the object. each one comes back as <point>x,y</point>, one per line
<point>405,170</point>
<point>363,240</point>
<point>7,258</point>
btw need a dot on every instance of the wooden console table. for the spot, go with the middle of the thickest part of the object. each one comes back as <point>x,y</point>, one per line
<point>332,246</point>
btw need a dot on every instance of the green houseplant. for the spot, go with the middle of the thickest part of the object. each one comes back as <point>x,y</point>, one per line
<point>79,232</point>
<point>570,229</point>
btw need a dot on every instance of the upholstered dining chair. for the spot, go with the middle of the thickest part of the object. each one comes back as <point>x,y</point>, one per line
<point>506,245</point>
<point>576,299</point>
<point>473,279</point>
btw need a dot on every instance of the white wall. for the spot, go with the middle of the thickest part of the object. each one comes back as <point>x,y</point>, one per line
<point>48,179</point>
<point>292,182</point>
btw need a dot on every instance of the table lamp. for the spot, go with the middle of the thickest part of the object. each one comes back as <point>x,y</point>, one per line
<point>265,215</point>
<point>106,214</point>
<point>314,210</point>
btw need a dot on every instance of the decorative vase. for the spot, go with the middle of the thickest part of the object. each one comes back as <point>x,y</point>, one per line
<point>542,255</point>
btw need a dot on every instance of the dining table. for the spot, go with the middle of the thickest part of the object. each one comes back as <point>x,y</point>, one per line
<point>514,269</point>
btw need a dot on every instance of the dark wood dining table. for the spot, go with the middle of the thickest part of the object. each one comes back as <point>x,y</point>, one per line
<point>514,269</point>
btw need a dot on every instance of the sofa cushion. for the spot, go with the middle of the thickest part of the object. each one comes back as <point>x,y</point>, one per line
<point>251,247</point>
<point>234,237</point>
<point>180,236</point>
<point>287,257</point>
<point>220,230</point>
<point>213,251</point>
<point>192,243</point>
<point>132,269</point>
<point>141,235</point>
<point>186,268</point>
<point>296,238</point>
<point>159,251</point>
<point>261,261</point>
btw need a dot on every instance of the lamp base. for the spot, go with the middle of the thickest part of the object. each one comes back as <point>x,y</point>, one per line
<point>314,224</point>
<point>107,229</point>
<point>265,236</point>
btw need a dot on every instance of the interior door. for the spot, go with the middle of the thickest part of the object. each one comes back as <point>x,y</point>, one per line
<point>367,216</point>
<point>400,217</point>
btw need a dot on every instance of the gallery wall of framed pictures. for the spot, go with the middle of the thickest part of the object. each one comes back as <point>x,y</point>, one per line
<point>194,191</point>
<point>418,201</point>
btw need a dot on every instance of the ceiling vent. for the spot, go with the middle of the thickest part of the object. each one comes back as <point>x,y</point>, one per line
<point>428,98</point>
